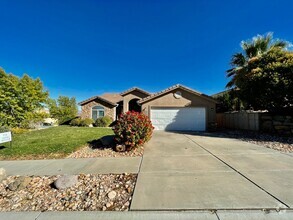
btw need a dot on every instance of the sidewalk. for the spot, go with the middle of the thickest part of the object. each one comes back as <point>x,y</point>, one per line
<point>101,165</point>
<point>163,215</point>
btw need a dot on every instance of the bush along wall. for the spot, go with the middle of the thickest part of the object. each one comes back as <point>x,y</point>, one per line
<point>87,122</point>
<point>103,122</point>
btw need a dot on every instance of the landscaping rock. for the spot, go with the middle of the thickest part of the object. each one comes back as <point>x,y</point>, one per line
<point>280,143</point>
<point>120,148</point>
<point>24,182</point>
<point>66,181</point>
<point>91,193</point>
<point>112,195</point>
<point>88,152</point>
<point>2,174</point>
<point>14,185</point>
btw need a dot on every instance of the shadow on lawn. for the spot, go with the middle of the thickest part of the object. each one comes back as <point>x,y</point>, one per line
<point>105,142</point>
<point>2,147</point>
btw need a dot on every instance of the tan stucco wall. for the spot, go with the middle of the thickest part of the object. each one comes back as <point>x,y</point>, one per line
<point>86,110</point>
<point>130,96</point>
<point>187,100</point>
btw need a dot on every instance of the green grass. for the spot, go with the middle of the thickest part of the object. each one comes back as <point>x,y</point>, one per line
<point>55,142</point>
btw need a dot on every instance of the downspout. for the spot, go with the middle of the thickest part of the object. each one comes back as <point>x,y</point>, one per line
<point>115,112</point>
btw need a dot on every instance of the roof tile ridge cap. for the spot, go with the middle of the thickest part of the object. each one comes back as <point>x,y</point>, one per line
<point>144,91</point>
<point>192,90</point>
<point>135,88</point>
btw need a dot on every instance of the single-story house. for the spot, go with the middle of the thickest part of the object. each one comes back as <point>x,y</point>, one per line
<point>175,108</point>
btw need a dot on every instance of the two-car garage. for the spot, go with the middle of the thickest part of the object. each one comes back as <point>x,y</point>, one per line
<point>179,119</point>
<point>179,108</point>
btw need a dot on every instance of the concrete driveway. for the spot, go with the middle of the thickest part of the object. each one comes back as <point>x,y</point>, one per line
<point>200,172</point>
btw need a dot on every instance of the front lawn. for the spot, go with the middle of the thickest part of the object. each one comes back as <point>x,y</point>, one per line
<point>55,142</point>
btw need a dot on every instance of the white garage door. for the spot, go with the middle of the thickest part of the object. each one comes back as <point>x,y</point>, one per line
<point>179,119</point>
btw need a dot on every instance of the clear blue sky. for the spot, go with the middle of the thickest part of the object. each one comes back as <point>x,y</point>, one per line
<point>87,47</point>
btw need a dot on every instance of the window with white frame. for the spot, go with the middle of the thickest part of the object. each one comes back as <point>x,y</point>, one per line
<point>97,112</point>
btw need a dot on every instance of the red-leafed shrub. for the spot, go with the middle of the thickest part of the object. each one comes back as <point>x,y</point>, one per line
<point>133,129</point>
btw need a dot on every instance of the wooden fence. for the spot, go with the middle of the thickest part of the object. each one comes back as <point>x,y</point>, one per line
<point>245,120</point>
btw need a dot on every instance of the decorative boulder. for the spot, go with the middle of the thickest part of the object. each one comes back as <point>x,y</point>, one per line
<point>19,183</point>
<point>120,148</point>
<point>66,181</point>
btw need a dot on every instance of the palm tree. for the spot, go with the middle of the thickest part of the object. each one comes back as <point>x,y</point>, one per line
<point>252,50</point>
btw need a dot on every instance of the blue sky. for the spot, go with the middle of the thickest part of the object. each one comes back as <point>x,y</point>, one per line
<point>88,47</point>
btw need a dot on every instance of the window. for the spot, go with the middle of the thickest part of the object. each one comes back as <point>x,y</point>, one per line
<point>97,112</point>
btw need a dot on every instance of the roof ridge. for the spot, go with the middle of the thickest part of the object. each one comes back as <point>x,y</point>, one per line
<point>132,89</point>
<point>96,97</point>
<point>172,88</point>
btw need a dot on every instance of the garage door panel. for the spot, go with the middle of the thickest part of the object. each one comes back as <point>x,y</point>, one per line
<point>179,118</point>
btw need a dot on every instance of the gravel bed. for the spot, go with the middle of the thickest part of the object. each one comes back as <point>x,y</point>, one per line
<point>284,144</point>
<point>92,192</point>
<point>88,152</point>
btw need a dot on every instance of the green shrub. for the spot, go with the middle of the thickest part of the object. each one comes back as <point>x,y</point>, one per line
<point>75,122</point>
<point>133,129</point>
<point>86,122</point>
<point>103,121</point>
<point>81,122</point>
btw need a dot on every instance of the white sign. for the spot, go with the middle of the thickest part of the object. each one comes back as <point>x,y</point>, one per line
<point>5,137</point>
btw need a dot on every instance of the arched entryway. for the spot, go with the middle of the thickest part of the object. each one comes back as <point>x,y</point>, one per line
<point>133,105</point>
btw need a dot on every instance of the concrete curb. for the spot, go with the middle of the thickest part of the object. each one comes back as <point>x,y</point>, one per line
<point>152,215</point>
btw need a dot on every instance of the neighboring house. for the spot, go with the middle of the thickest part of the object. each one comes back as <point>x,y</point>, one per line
<point>175,108</point>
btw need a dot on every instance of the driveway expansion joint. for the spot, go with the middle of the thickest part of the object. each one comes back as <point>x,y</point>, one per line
<point>139,168</point>
<point>239,173</point>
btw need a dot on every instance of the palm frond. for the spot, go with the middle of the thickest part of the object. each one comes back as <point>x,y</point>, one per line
<point>230,84</point>
<point>280,44</point>
<point>238,59</point>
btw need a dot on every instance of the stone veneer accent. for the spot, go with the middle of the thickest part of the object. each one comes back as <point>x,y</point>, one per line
<point>86,110</point>
<point>276,124</point>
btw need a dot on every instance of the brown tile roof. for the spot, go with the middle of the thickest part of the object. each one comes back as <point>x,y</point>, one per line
<point>97,97</point>
<point>155,95</point>
<point>112,97</point>
<point>132,89</point>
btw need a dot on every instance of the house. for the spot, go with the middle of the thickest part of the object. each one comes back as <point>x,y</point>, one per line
<point>175,108</point>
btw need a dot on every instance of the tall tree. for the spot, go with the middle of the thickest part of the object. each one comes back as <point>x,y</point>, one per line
<point>20,97</point>
<point>63,109</point>
<point>251,50</point>
<point>263,74</point>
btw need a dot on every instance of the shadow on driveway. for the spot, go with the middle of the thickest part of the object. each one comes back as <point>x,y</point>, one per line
<point>241,135</point>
